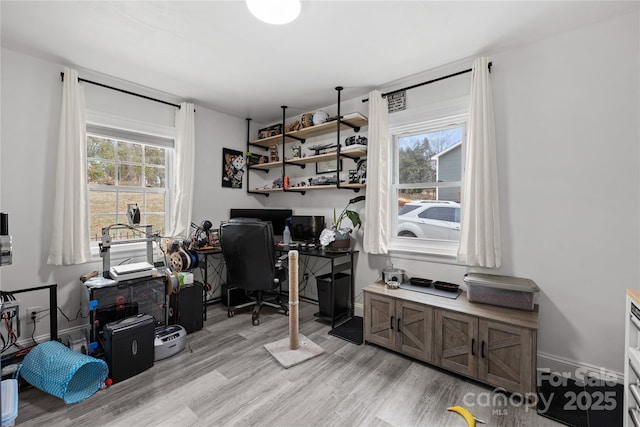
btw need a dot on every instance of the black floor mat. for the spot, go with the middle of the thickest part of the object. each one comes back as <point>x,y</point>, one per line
<point>594,404</point>
<point>351,330</point>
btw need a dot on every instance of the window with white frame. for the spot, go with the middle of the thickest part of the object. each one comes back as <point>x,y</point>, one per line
<point>126,168</point>
<point>427,185</point>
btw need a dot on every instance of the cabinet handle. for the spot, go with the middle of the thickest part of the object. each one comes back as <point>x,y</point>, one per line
<point>398,324</point>
<point>482,350</point>
<point>473,344</point>
<point>391,323</point>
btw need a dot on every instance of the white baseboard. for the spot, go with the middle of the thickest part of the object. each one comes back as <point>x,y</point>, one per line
<point>573,369</point>
<point>62,336</point>
<point>358,309</point>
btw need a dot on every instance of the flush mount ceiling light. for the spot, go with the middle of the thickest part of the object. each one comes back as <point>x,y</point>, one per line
<point>275,12</point>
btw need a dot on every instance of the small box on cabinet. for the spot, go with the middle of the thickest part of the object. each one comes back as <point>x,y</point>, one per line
<point>505,291</point>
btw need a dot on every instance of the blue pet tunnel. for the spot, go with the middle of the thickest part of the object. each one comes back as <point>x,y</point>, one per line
<point>62,372</point>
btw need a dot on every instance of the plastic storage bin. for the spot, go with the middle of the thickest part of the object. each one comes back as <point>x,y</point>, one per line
<point>505,291</point>
<point>105,300</point>
<point>9,402</point>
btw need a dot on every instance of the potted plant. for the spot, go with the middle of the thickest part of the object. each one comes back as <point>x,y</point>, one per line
<point>338,237</point>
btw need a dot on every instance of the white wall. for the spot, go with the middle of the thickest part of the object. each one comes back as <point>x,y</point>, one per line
<point>567,112</point>
<point>567,123</point>
<point>31,94</point>
<point>567,130</point>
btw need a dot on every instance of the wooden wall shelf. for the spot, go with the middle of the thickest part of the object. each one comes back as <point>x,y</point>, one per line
<point>348,121</point>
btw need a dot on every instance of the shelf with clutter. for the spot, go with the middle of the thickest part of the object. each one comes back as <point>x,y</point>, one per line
<point>285,145</point>
<point>348,121</point>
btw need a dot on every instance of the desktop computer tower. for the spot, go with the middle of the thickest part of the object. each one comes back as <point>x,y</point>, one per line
<point>129,346</point>
<point>185,308</point>
<point>342,287</point>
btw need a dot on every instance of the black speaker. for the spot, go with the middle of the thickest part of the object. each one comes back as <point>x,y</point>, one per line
<point>128,346</point>
<point>185,308</point>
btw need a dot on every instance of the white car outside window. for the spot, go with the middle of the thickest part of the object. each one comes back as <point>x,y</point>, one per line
<point>430,219</point>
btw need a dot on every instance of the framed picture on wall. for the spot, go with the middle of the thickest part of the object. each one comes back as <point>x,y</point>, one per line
<point>328,166</point>
<point>232,168</point>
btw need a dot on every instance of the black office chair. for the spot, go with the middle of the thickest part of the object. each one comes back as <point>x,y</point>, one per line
<point>249,251</point>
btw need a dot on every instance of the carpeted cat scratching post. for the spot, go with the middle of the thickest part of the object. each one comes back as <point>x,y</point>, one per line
<point>297,348</point>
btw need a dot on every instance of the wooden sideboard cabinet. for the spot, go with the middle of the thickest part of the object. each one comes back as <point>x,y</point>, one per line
<point>399,325</point>
<point>494,345</point>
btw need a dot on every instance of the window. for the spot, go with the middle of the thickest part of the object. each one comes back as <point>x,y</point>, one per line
<point>125,168</point>
<point>427,185</point>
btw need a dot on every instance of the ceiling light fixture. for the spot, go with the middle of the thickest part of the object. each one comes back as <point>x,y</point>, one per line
<point>275,12</point>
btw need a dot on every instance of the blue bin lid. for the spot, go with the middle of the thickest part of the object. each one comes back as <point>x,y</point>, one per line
<point>9,401</point>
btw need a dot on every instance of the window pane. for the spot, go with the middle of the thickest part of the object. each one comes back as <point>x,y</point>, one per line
<point>130,175</point>
<point>101,172</point>
<point>424,216</point>
<point>155,203</point>
<point>156,221</point>
<point>129,152</point>
<point>97,222</point>
<point>154,155</point>
<point>430,157</point>
<point>100,148</point>
<point>137,173</point>
<point>124,198</point>
<point>408,195</point>
<point>102,202</point>
<point>154,176</point>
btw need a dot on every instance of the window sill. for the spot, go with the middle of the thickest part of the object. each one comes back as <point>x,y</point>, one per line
<point>440,252</point>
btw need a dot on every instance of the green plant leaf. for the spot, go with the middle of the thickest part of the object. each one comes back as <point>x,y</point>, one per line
<point>354,217</point>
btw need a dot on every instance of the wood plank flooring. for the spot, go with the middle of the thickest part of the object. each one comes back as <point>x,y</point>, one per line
<point>225,377</point>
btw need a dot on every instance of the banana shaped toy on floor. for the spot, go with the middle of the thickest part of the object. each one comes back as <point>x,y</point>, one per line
<point>468,416</point>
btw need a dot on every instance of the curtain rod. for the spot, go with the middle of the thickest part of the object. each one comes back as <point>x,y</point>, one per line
<point>427,82</point>
<point>124,91</point>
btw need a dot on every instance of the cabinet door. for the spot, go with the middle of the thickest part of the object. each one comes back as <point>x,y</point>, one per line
<point>506,356</point>
<point>455,342</point>
<point>379,319</point>
<point>414,329</point>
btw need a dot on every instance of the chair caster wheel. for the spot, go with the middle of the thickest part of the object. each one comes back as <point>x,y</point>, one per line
<point>255,322</point>
<point>286,312</point>
<point>230,313</point>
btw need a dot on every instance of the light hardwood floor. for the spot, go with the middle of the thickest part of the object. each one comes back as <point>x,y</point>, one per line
<point>226,377</point>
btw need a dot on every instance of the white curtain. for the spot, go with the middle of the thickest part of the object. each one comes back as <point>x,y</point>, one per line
<point>70,216</point>
<point>480,225</point>
<point>376,222</point>
<point>185,166</point>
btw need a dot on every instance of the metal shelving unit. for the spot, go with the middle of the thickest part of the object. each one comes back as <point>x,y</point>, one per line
<point>350,121</point>
<point>631,409</point>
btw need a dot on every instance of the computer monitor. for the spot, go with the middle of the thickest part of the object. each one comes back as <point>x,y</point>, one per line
<point>306,228</point>
<point>277,217</point>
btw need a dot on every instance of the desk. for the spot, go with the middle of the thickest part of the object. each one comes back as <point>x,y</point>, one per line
<point>340,262</point>
<point>203,256</point>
